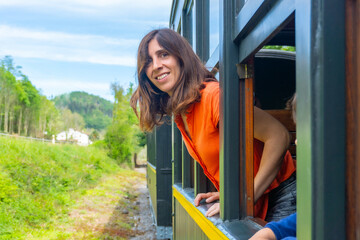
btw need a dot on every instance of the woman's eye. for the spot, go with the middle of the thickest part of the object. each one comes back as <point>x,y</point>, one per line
<point>164,55</point>
<point>148,61</point>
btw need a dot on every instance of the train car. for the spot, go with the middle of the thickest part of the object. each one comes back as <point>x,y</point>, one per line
<point>236,39</point>
<point>159,150</point>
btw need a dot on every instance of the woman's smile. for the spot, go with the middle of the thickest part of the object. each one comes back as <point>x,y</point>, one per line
<point>163,69</point>
<point>162,76</point>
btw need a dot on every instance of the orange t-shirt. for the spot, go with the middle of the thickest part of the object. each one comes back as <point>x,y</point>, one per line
<point>202,119</point>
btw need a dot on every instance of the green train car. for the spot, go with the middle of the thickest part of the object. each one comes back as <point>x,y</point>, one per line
<point>262,51</point>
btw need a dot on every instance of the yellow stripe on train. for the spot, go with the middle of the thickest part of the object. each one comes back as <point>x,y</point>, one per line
<point>151,168</point>
<point>211,231</point>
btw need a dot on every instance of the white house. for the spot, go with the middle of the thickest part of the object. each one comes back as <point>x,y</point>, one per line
<point>72,135</point>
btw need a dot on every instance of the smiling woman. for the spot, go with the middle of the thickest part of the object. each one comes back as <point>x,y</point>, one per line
<point>174,82</point>
<point>162,52</point>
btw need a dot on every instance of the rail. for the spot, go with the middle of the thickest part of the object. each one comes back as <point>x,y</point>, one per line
<point>32,138</point>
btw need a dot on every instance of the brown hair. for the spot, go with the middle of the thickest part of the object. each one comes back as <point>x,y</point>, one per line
<point>291,105</point>
<point>153,102</point>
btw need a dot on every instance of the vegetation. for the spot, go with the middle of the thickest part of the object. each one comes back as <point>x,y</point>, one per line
<point>39,181</point>
<point>280,47</point>
<point>107,211</point>
<point>123,136</point>
<point>95,111</point>
<point>23,110</point>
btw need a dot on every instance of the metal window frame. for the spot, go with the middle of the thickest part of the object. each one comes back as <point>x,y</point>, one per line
<point>321,118</point>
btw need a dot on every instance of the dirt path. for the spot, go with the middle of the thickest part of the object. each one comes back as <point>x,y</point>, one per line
<point>118,208</point>
<point>144,227</point>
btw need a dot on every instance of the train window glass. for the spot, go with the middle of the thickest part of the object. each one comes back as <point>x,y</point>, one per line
<point>187,169</point>
<point>239,5</point>
<point>192,12</point>
<point>192,172</point>
<point>214,25</point>
<point>151,148</point>
<point>176,154</point>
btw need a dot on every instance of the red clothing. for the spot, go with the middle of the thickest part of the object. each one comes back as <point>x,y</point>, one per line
<point>203,145</point>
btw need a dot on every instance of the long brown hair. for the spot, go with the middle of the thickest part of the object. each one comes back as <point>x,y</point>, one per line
<point>153,102</point>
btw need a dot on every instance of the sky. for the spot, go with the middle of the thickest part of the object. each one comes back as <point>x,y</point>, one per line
<point>78,45</point>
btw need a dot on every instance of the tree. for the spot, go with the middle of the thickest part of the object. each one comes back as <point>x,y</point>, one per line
<point>122,136</point>
<point>72,120</point>
<point>31,106</point>
<point>96,111</point>
<point>94,135</point>
<point>22,108</point>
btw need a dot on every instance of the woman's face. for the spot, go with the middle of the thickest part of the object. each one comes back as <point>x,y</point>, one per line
<point>162,68</point>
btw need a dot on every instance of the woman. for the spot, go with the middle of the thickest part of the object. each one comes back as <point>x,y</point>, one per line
<point>286,227</point>
<point>173,80</point>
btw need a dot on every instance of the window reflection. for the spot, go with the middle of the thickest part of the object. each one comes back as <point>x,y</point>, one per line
<point>214,25</point>
<point>193,44</point>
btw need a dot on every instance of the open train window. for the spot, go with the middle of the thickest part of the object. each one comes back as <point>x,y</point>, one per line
<point>274,81</point>
<point>268,83</point>
<point>274,85</point>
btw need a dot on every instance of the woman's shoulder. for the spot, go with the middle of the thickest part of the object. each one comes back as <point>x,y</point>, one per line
<point>210,94</point>
<point>210,87</point>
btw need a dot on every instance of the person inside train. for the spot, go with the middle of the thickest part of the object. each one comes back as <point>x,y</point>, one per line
<point>286,227</point>
<point>173,81</point>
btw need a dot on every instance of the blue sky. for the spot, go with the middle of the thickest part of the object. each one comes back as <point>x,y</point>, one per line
<point>78,45</point>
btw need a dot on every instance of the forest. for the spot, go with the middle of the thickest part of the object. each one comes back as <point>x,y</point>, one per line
<point>96,111</point>
<point>24,111</point>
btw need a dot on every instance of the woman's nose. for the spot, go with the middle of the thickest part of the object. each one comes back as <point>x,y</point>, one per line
<point>157,63</point>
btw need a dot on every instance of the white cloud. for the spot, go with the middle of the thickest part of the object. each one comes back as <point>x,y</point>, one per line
<point>96,3</point>
<point>93,6</point>
<point>58,37</point>
<point>28,43</point>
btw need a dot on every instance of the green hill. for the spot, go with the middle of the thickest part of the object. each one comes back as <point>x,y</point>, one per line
<point>96,111</point>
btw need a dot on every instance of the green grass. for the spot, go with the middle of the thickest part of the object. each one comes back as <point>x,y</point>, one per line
<point>39,183</point>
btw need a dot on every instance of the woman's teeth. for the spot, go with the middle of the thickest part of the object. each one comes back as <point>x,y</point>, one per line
<point>162,76</point>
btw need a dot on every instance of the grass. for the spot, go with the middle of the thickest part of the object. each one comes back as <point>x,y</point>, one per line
<point>43,186</point>
<point>103,212</point>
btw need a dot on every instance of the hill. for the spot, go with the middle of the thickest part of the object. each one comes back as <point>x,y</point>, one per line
<point>96,111</point>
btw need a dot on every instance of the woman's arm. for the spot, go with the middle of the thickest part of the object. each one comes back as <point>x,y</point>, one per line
<point>264,234</point>
<point>276,140</point>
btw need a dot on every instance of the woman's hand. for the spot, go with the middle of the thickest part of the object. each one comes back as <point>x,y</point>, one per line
<point>214,209</point>
<point>210,197</point>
